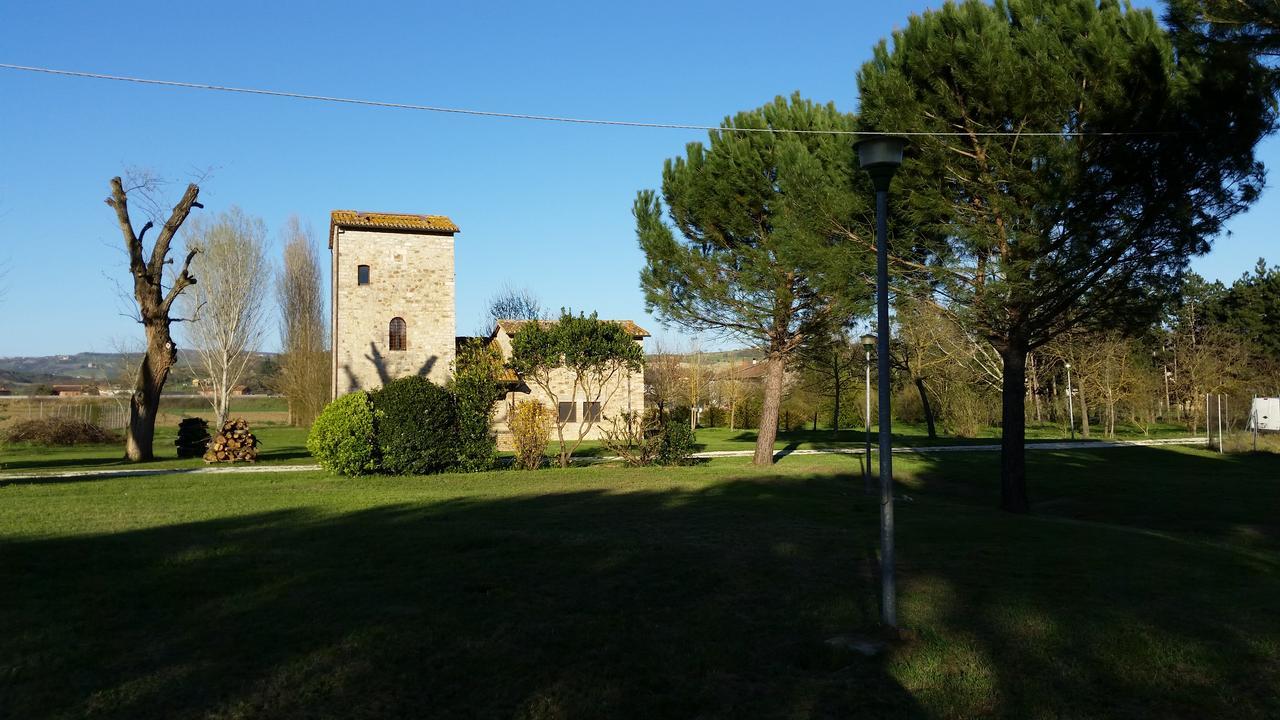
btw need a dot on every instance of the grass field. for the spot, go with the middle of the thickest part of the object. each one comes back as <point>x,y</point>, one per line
<point>283,444</point>
<point>1144,585</point>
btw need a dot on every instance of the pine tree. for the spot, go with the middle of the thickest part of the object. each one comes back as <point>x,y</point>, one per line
<point>1147,153</point>
<point>760,256</point>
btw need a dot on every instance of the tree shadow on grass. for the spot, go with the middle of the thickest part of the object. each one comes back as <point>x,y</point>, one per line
<point>705,602</point>
<point>574,605</point>
<point>1131,591</point>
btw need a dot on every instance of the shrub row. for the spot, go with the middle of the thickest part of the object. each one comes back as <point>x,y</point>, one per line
<point>408,427</point>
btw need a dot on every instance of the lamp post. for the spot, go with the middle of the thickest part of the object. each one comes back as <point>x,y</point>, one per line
<point>1071,413</point>
<point>880,156</point>
<point>868,341</point>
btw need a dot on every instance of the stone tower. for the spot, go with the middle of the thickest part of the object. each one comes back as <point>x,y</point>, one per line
<point>392,298</point>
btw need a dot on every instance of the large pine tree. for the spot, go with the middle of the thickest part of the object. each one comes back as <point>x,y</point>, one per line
<point>760,254</point>
<point>1146,153</point>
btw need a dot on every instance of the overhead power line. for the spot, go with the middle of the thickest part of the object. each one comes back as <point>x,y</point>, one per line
<point>529,116</point>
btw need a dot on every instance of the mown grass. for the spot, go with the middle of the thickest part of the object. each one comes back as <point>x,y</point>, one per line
<point>1143,585</point>
<point>283,444</point>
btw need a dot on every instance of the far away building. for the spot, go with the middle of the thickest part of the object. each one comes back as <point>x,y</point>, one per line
<point>393,314</point>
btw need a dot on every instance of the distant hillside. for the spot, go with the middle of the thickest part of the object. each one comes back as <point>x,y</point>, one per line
<point>22,374</point>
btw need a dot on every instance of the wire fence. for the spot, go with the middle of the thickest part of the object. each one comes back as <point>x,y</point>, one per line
<point>105,413</point>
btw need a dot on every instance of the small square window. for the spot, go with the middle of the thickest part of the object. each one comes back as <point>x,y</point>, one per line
<point>568,412</point>
<point>362,274</point>
<point>591,411</point>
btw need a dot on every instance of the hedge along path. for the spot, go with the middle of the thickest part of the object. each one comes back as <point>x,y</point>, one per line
<point>247,469</point>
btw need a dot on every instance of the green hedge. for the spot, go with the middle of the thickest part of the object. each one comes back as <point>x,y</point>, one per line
<point>416,427</point>
<point>342,439</point>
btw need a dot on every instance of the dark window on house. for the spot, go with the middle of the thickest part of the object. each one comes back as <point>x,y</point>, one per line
<point>591,411</point>
<point>568,412</point>
<point>362,274</point>
<point>399,334</point>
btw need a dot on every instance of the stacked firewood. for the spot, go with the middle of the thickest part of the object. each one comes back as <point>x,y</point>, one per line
<point>233,443</point>
<point>193,437</point>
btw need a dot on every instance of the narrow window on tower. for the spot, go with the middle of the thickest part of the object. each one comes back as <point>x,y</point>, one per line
<point>362,274</point>
<point>399,334</point>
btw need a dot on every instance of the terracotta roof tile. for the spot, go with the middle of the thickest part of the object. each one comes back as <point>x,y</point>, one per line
<point>392,221</point>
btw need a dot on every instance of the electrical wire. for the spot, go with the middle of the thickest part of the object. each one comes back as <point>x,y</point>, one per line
<point>539,118</point>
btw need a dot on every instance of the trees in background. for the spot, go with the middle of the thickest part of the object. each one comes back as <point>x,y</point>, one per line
<point>305,370</point>
<point>155,302</point>
<point>226,312</point>
<point>757,256</point>
<point>829,366</point>
<point>589,352</point>
<point>511,303</point>
<point>663,376</point>
<point>1028,236</point>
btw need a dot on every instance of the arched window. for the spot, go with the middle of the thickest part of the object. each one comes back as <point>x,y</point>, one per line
<point>399,334</point>
<point>362,274</point>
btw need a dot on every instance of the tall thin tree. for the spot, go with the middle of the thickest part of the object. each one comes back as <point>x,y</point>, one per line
<point>304,360</point>
<point>227,310</point>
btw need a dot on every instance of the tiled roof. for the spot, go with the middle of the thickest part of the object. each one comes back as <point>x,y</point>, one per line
<point>392,221</point>
<point>511,327</point>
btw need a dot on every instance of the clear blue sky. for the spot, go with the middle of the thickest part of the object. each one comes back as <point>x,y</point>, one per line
<point>540,205</point>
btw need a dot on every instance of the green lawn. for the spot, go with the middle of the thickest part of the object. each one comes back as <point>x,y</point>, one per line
<point>1145,585</point>
<point>280,445</point>
<point>283,444</point>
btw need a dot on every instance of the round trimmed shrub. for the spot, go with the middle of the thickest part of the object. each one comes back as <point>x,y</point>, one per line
<point>342,438</point>
<point>417,427</point>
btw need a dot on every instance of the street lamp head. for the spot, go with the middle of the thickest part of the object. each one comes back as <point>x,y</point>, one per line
<point>868,342</point>
<point>1068,366</point>
<point>880,156</point>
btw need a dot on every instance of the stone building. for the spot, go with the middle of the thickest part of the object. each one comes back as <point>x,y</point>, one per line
<point>392,298</point>
<point>623,393</point>
<point>393,314</point>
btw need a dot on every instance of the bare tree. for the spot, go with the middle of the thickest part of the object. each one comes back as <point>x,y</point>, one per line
<point>511,303</point>
<point>154,303</point>
<point>304,360</point>
<point>694,380</point>
<point>227,310</point>
<point>662,376</point>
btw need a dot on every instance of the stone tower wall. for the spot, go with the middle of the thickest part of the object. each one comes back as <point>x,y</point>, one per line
<point>411,276</point>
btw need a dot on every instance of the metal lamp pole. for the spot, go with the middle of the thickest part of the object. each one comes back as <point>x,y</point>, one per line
<point>1071,412</point>
<point>868,341</point>
<point>880,156</point>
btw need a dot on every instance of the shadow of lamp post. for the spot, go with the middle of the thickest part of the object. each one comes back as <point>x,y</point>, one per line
<point>880,156</point>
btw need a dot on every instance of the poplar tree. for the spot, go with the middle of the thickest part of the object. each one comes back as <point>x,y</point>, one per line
<point>759,255</point>
<point>1145,154</point>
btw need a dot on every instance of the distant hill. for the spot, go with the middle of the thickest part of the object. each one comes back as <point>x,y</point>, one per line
<point>22,374</point>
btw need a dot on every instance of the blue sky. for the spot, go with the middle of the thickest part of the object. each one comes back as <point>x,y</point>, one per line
<point>540,205</point>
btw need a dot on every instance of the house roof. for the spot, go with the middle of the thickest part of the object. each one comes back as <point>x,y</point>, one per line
<point>511,327</point>
<point>389,221</point>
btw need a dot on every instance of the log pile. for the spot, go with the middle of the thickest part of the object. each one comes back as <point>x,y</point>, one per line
<point>233,443</point>
<point>193,437</point>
